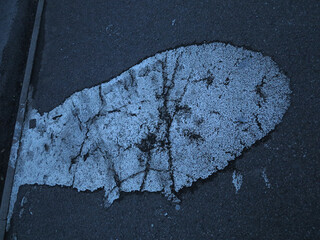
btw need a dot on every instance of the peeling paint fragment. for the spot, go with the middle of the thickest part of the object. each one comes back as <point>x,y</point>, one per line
<point>24,200</point>
<point>237,180</point>
<point>175,117</point>
<point>265,178</point>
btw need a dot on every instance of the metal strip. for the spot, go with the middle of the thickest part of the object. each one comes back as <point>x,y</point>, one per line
<point>19,122</point>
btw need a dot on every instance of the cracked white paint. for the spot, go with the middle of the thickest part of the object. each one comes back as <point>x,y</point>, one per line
<point>237,180</point>
<point>175,117</point>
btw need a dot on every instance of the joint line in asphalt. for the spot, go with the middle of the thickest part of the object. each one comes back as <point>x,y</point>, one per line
<point>19,121</point>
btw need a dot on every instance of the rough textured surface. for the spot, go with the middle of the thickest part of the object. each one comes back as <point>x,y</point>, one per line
<point>16,22</point>
<point>74,44</point>
<point>161,125</point>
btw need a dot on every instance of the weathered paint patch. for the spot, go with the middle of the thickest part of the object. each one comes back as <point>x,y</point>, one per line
<point>176,117</point>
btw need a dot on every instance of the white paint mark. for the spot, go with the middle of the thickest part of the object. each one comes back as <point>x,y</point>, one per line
<point>265,178</point>
<point>237,180</point>
<point>177,207</point>
<point>24,200</point>
<point>173,22</point>
<point>175,117</point>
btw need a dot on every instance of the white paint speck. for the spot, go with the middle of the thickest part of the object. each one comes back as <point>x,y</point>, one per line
<point>173,22</point>
<point>237,180</point>
<point>177,207</point>
<point>109,27</point>
<point>265,178</point>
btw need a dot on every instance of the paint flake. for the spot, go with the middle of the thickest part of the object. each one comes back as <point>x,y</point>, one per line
<point>265,178</point>
<point>237,180</point>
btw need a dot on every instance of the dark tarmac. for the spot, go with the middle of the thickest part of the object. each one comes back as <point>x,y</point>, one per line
<point>16,22</point>
<point>89,42</point>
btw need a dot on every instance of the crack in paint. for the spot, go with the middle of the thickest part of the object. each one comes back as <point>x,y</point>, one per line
<point>161,125</point>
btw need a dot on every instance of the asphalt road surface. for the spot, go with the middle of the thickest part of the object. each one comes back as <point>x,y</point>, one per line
<point>89,42</point>
<point>16,22</point>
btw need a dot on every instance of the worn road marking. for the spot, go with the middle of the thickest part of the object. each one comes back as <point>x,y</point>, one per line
<point>175,117</point>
